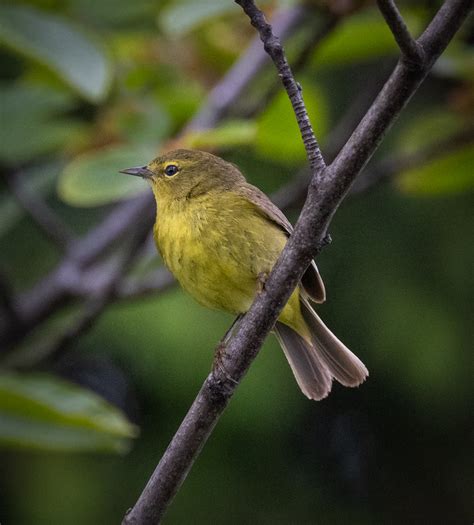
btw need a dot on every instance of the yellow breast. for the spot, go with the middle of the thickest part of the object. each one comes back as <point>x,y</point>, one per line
<point>217,246</point>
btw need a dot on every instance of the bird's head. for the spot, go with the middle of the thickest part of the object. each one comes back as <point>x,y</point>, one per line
<point>182,174</point>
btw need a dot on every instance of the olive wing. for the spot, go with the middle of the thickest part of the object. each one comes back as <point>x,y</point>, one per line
<point>312,282</point>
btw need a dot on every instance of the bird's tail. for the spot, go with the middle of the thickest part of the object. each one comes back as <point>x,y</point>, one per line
<point>319,357</point>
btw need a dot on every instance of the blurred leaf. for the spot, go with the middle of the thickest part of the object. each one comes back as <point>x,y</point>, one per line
<point>38,179</point>
<point>113,12</point>
<point>33,126</point>
<point>183,16</point>
<point>143,121</point>
<point>450,173</point>
<point>457,61</point>
<point>278,135</point>
<point>40,411</point>
<point>361,37</point>
<point>180,95</point>
<point>433,127</point>
<point>93,179</point>
<point>56,44</point>
<point>229,135</point>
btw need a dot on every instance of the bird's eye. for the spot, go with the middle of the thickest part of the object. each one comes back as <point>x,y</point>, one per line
<point>171,170</point>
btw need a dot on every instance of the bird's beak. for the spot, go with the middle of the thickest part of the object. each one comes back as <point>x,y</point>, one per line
<point>139,171</point>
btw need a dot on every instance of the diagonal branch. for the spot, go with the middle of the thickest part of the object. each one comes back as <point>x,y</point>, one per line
<point>41,214</point>
<point>99,301</point>
<point>158,281</point>
<point>327,190</point>
<point>66,281</point>
<point>411,50</point>
<point>293,193</point>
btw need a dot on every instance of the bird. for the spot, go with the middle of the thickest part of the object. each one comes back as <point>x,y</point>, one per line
<point>220,236</point>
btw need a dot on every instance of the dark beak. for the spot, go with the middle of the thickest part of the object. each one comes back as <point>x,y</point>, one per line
<point>139,171</point>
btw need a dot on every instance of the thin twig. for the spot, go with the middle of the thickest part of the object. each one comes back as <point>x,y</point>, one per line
<point>411,50</point>
<point>328,24</point>
<point>49,223</point>
<point>327,190</point>
<point>293,194</point>
<point>229,90</point>
<point>273,47</point>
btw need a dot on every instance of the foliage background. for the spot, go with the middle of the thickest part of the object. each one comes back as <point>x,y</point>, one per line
<point>88,88</point>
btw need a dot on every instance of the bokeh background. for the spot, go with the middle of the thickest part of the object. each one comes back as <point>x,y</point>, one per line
<point>90,87</point>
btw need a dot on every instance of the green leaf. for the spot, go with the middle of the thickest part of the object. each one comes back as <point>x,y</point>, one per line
<point>143,122</point>
<point>55,43</point>
<point>115,13</point>
<point>33,125</point>
<point>278,136</point>
<point>183,16</point>
<point>433,127</point>
<point>446,174</point>
<point>43,412</point>
<point>181,97</point>
<point>361,37</point>
<point>93,179</point>
<point>229,135</point>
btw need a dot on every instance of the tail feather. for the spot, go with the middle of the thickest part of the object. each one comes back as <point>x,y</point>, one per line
<point>315,363</point>
<point>310,372</point>
<point>343,365</point>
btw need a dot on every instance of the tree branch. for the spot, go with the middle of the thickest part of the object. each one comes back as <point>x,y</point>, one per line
<point>411,50</point>
<point>327,190</point>
<point>99,301</point>
<point>328,24</point>
<point>273,47</point>
<point>291,194</point>
<point>67,280</point>
<point>158,281</point>
<point>231,87</point>
<point>41,214</point>
<point>294,193</point>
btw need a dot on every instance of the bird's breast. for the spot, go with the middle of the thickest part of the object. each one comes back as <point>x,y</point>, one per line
<point>217,253</point>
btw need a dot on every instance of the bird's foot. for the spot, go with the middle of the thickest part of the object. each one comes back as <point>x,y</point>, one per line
<point>218,365</point>
<point>261,281</point>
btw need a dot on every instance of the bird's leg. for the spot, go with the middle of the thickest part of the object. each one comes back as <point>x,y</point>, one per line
<point>217,363</point>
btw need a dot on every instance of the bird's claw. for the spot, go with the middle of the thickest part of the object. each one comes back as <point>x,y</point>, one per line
<point>218,365</point>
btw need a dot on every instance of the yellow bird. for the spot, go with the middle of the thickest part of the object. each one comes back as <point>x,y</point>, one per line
<point>220,236</point>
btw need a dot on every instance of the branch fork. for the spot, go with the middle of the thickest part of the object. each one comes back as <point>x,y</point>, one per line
<point>413,53</point>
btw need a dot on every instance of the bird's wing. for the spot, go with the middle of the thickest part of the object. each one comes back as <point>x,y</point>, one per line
<point>312,282</point>
<point>265,206</point>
